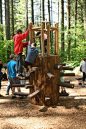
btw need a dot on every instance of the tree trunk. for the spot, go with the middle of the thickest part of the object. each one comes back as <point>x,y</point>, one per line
<point>68,29</point>
<point>0,11</point>
<point>43,10</point>
<point>62,28</point>
<point>26,10</point>
<point>12,18</point>
<point>32,11</point>
<point>75,19</point>
<point>49,9</point>
<point>7,19</point>
<point>85,20</point>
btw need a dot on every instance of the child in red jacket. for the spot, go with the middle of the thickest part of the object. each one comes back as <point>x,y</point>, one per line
<point>18,48</point>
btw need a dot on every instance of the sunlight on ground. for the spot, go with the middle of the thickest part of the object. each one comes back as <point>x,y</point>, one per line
<point>84,97</point>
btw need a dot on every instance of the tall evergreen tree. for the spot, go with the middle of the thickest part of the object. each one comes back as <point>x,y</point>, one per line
<point>12,6</point>
<point>62,27</point>
<point>0,11</point>
<point>75,19</point>
<point>43,10</point>
<point>7,19</point>
<point>68,29</point>
<point>85,20</point>
<point>32,7</point>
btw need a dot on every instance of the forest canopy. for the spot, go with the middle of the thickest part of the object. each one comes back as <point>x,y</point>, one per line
<point>69,14</point>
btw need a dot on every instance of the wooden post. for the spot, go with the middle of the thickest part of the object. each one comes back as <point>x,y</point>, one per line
<point>31,32</point>
<point>42,38</point>
<point>56,40</point>
<point>48,38</point>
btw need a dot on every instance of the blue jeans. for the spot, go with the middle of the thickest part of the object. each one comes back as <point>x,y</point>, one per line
<point>19,63</point>
<point>8,87</point>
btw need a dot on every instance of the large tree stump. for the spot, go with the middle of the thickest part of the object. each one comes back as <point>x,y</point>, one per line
<point>44,81</point>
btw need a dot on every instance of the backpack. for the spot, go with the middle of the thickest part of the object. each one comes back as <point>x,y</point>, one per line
<point>81,68</point>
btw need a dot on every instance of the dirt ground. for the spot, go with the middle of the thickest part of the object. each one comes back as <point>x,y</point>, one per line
<point>70,113</point>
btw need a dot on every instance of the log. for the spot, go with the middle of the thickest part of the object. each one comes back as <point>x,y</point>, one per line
<point>59,67</point>
<point>34,68</point>
<point>66,81</point>
<point>24,78</point>
<point>67,68</point>
<point>19,85</point>
<point>68,85</point>
<point>36,28</point>
<point>63,64</point>
<point>29,86</point>
<point>67,74</point>
<point>21,93</point>
<point>50,75</point>
<point>47,101</point>
<point>34,94</point>
<point>53,28</point>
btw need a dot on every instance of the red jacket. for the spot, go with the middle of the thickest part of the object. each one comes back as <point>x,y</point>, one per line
<point>18,46</point>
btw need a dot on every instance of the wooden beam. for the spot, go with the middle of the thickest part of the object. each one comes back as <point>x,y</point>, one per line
<point>50,75</point>
<point>53,28</point>
<point>29,86</point>
<point>66,81</point>
<point>68,85</point>
<point>67,74</point>
<point>67,68</point>
<point>21,93</point>
<point>56,40</point>
<point>48,38</point>
<point>24,78</point>
<point>31,32</point>
<point>59,67</point>
<point>63,64</point>
<point>36,28</point>
<point>34,94</point>
<point>19,85</point>
<point>42,38</point>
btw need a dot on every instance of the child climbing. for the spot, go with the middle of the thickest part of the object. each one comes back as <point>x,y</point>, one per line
<point>31,57</point>
<point>38,35</point>
<point>18,48</point>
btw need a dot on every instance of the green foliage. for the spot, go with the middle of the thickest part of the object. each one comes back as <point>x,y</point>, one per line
<point>4,48</point>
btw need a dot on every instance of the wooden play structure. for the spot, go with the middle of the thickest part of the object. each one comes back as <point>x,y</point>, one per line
<point>45,80</point>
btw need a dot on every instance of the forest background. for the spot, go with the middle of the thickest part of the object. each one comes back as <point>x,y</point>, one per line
<point>69,14</point>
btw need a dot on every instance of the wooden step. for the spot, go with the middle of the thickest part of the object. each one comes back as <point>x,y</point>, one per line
<point>68,85</point>
<point>24,78</point>
<point>50,75</point>
<point>29,86</point>
<point>67,74</point>
<point>32,95</point>
<point>21,93</point>
<point>19,85</point>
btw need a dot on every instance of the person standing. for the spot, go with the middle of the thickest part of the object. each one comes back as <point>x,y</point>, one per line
<point>83,71</point>
<point>18,48</point>
<point>0,74</point>
<point>11,74</point>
